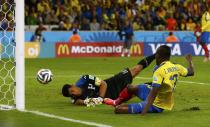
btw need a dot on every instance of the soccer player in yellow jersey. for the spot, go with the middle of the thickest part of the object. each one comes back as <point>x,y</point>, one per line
<point>165,77</point>
<point>205,35</point>
<point>158,95</point>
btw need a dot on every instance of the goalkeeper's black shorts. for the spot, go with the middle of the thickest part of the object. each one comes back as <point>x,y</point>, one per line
<point>117,83</point>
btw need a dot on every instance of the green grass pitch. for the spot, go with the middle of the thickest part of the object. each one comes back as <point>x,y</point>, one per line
<point>48,98</point>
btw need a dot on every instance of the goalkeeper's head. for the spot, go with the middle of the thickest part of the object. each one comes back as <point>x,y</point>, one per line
<point>71,91</point>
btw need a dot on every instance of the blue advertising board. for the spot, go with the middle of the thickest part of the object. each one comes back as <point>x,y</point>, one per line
<point>48,50</point>
<point>112,36</point>
<point>151,41</point>
<point>177,49</point>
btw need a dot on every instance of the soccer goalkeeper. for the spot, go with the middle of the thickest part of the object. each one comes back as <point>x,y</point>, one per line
<point>90,90</point>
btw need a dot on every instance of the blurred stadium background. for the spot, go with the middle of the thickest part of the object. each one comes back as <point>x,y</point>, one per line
<point>49,24</point>
<point>143,14</point>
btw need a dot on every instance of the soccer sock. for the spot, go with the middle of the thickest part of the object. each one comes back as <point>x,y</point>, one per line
<point>124,96</point>
<point>126,50</point>
<point>123,52</point>
<point>147,61</point>
<point>204,46</point>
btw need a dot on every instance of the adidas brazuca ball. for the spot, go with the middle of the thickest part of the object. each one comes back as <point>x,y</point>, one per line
<point>44,76</point>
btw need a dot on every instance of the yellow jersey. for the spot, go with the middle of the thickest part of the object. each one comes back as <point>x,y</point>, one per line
<point>165,77</point>
<point>205,22</point>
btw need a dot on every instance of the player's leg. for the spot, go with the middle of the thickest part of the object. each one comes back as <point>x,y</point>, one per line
<point>126,76</point>
<point>118,82</point>
<point>204,39</point>
<point>204,46</point>
<point>124,95</point>
<point>122,109</point>
<point>124,48</point>
<point>142,92</point>
<point>135,108</point>
<point>129,47</point>
<point>141,65</point>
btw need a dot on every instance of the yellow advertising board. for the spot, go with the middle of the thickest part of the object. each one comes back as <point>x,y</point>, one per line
<point>32,49</point>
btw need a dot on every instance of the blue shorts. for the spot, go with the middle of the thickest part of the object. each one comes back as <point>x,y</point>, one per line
<point>143,92</point>
<point>205,37</point>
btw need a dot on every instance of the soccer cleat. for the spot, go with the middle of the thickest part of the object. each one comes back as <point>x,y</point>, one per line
<point>122,55</point>
<point>109,101</point>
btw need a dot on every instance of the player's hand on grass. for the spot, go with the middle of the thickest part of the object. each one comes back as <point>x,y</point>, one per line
<point>189,57</point>
<point>92,102</point>
<point>89,102</point>
<point>97,100</point>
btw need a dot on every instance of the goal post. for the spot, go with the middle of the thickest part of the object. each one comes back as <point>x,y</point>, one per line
<point>19,55</point>
<point>12,59</point>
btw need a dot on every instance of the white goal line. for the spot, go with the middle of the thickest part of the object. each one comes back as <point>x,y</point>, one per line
<point>106,75</point>
<point>66,119</point>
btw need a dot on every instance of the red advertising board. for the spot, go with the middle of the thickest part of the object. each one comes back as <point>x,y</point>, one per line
<point>95,49</point>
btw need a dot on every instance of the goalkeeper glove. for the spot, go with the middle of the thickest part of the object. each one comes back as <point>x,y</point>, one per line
<point>98,100</point>
<point>89,102</point>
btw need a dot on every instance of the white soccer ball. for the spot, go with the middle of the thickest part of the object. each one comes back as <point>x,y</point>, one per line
<point>44,76</point>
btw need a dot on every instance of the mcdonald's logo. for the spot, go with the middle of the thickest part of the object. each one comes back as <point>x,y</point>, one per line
<point>63,49</point>
<point>136,49</point>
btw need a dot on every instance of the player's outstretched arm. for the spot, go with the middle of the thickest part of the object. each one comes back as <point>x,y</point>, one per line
<point>145,62</point>
<point>190,65</point>
<point>150,99</point>
<point>79,102</point>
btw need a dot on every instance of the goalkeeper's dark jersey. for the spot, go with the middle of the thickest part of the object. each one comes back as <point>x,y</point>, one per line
<point>90,85</point>
<point>117,83</point>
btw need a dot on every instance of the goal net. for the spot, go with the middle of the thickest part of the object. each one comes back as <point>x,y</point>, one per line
<point>8,59</point>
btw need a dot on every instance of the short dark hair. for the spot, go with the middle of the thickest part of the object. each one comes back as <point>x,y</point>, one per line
<point>65,90</point>
<point>164,51</point>
<point>75,32</point>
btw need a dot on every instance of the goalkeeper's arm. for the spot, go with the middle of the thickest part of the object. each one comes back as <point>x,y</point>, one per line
<point>79,102</point>
<point>87,102</point>
<point>102,89</point>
